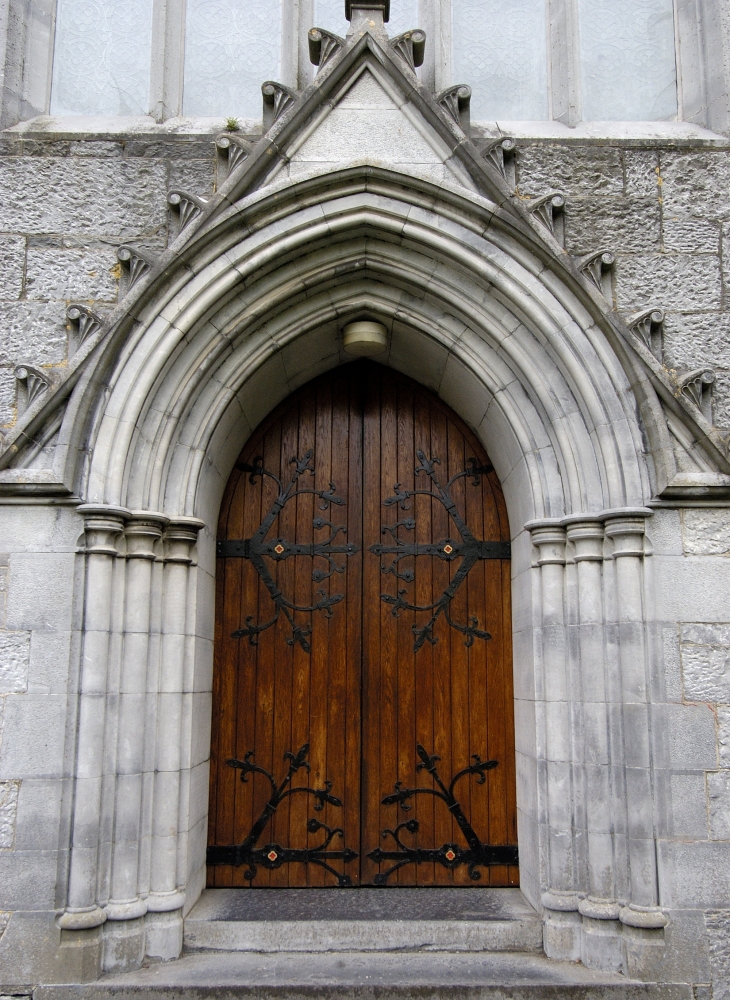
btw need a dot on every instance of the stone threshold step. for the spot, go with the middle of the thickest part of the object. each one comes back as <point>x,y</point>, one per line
<point>357,976</point>
<point>378,920</point>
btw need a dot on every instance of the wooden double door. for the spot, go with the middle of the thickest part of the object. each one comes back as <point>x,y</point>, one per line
<point>362,648</point>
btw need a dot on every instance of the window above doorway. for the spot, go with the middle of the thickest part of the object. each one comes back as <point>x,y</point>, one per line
<point>525,60</point>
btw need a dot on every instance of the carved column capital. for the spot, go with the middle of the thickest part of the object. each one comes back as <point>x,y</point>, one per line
<point>102,524</point>
<point>586,534</point>
<point>180,537</point>
<point>142,530</point>
<point>627,528</point>
<point>549,537</point>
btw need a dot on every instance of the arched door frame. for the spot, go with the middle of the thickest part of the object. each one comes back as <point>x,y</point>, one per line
<point>526,358</point>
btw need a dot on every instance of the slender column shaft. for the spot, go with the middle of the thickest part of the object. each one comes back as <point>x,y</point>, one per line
<point>102,525</point>
<point>626,529</point>
<point>180,539</point>
<point>142,532</point>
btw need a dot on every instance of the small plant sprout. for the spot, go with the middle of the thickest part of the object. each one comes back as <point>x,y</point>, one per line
<point>232,125</point>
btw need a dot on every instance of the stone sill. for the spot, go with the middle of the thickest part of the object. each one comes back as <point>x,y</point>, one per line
<point>631,134</point>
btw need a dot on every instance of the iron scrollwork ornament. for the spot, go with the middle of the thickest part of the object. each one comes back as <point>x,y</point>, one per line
<point>467,548</point>
<point>274,855</point>
<point>451,856</point>
<point>258,549</point>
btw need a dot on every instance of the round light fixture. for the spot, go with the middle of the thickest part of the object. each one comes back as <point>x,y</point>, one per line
<point>364,338</point>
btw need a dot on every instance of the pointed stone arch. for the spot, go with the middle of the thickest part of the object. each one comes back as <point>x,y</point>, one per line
<point>484,307</point>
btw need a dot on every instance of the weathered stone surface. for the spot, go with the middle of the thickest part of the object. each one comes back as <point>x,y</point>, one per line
<point>721,399</point>
<point>193,176</point>
<point>14,659</point>
<point>629,224</point>
<point>705,652</point>
<point>706,532</point>
<point>8,384</point>
<point>124,198</point>
<point>696,184</point>
<point>681,235</point>
<point>34,332</point>
<point>718,935</point>
<point>723,734</point>
<point>691,341</point>
<point>586,171</point>
<point>682,282</point>
<point>100,148</point>
<point>718,791</point>
<point>5,916</point>
<point>12,255</point>
<point>88,274</point>
<point>641,173</point>
<point>8,812</point>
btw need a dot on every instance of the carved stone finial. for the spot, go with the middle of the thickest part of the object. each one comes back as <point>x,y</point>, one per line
<point>410,46</point>
<point>189,206</point>
<point>696,386</point>
<point>647,326</point>
<point>323,46</point>
<point>594,265</point>
<point>86,322</point>
<point>138,262</point>
<point>277,100</point>
<point>33,381</point>
<point>456,102</point>
<point>546,210</point>
<point>499,153</point>
<point>233,148</point>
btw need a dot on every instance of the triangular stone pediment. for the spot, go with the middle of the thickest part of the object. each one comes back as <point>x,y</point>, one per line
<point>371,121</point>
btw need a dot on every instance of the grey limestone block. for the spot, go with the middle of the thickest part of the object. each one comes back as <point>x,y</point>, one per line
<point>577,171</point>
<point>691,736</point>
<point>622,224</point>
<point>14,660</point>
<point>683,282</point>
<point>42,716</point>
<point>8,812</point>
<point>34,332</point>
<point>705,652</point>
<point>697,339</point>
<point>8,393</point>
<point>681,235</point>
<point>689,808</point>
<point>98,148</point>
<point>718,794</point>
<point>83,274</point>
<point>193,176</point>
<point>641,173</point>
<point>721,399</point>
<point>717,923</point>
<point>723,734</point>
<point>706,532</point>
<point>120,198</point>
<point>695,184</point>
<point>12,262</point>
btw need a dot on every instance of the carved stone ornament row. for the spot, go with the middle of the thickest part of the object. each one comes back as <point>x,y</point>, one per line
<point>546,210</point>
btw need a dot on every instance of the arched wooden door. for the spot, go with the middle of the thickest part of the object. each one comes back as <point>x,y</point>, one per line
<point>362,649</point>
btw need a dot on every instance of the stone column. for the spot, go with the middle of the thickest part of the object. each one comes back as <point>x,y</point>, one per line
<point>102,526</point>
<point>124,937</point>
<point>562,923</point>
<point>642,919</point>
<point>167,895</point>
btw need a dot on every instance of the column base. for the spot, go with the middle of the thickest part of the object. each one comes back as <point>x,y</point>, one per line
<point>124,945</point>
<point>164,933</point>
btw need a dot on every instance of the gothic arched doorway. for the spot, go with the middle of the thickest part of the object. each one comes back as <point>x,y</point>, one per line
<point>363,618</point>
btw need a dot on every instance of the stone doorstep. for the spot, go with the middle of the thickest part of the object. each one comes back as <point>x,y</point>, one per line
<point>352,976</point>
<point>363,920</point>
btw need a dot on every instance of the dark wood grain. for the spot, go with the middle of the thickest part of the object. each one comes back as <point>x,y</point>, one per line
<point>363,698</point>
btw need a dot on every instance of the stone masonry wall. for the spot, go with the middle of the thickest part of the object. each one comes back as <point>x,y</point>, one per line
<point>65,206</point>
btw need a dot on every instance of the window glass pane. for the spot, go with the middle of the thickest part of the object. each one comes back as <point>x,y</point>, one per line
<point>330,14</point>
<point>500,50</point>
<point>628,71</point>
<point>101,63</point>
<point>231,47</point>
